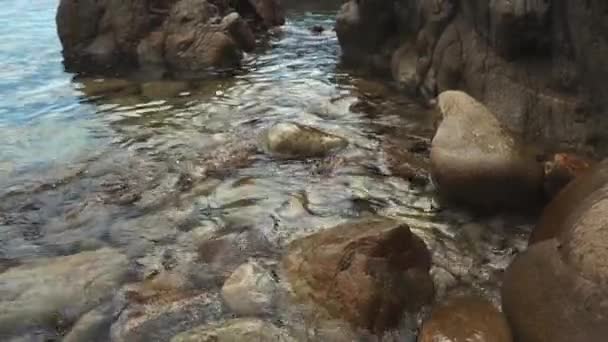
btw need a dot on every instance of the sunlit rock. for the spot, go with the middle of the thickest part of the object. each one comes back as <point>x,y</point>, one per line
<point>470,319</point>
<point>476,161</point>
<point>291,140</point>
<point>43,293</point>
<point>250,290</point>
<point>235,330</point>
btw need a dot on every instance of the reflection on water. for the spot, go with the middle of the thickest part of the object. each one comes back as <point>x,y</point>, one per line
<point>165,166</point>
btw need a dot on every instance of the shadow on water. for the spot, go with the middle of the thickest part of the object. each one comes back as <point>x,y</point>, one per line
<point>172,167</point>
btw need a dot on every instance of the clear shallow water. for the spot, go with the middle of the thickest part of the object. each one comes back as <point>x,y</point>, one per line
<point>89,163</point>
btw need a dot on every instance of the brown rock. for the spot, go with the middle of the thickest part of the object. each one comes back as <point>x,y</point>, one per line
<point>546,299</point>
<point>561,169</point>
<point>555,215</point>
<point>466,319</point>
<point>367,272</point>
<point>271,12</point>
<point>239,30</point>
<point>476,161</point>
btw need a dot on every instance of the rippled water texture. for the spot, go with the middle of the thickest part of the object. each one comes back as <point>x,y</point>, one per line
<point>157,170</point>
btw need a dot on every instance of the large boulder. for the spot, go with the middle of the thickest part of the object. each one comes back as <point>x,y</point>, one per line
<point>367,272</point>
<point>476,161</point>
<point>466,318</point>
<point>51,294</point>
<point>547,299</point>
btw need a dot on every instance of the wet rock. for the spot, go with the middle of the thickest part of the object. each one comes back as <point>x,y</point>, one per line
<point>250,290</point>
<point>463,319</point>
<point>163,89</point>
<point>192,44</point>
<point>150,51</point>
<point>235,330</point>
<point>317,29</point>
<point>409,165</point>
<point>367,272</point>
<point>403,68</point>
<point>240,31</point>
<point>556,214</point>
<point>291,140</point>
<point>92,327</point>
<point>561,169</point>
<point>546,297</point>
<point>443,281</point>
<point>476,161</point>
<point>52,293</point>
<point>162,307</point>
<point>271,12</point>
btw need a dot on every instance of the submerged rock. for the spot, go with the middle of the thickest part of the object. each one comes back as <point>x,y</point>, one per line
<point>291,140</point>
<point>466,319</point>
<point>51,294</point>
<point>366,272</point>
<point>163,89</point>
<point>477,162</point>
<point>250,290</point>
<point>235,330</point>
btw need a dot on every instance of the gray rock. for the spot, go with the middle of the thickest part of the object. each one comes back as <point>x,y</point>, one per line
<point>46,292</point>
<point>250,290</point>
<point>476,161</point>
<point>235,330</point>
<point>291,140</point>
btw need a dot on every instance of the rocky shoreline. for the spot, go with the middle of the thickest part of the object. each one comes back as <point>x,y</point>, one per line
<point>370,278</point>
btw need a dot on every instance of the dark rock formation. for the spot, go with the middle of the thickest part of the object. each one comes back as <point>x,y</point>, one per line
<point>177,35</point>
<point>477,162</point>
<point>466,318</point>
<point>539,65</point>
<point>556,290</point>
<point>367,272</point>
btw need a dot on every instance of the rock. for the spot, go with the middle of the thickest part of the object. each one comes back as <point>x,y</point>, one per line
<point>271,12</point>
<point>561,169</point>
<point>250,290</point>
<point>291,140</point>
<point>150,51</point>
<point>317,29</point>
<point>403,68</point>
<point>163,89</point>
<point>53,293</point>
<point>192,44</point>
<point>470,319</point>
<point>555,215</point>
<point>235,330</point>
<point>92,327</point>
<point>162,307</point>
<point>77,23</point>
<point>475,161</point>
<point>239,30</point>
<point>411,166</point>
<point>547,299</point>
<point>367,272</point>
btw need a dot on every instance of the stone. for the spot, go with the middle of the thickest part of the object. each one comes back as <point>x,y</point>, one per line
<point>106,86</point>
<point>150,51</point>
<point>555,215</point>
<point>547,299</point>
<point>465,319</point>
<point>291,140</point>
<point>477,162</point>
<point>240,31</point>
<point>562,168</point>
<point>250,290</point>
<point>92,326</point>
<point>235,330</point>
<point>161,307</point>
<point>53,293</point>
<point>271,12</point>
<point>367,272</point>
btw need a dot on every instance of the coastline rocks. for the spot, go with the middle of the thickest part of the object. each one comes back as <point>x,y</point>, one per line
<point>235,330</point>
<point>561,169</point>
<point>367,272</point>
<point>477,162</point>
<point>291,140</point>
<point>250,290</point>
<point>181,35</point>
<point>466,319</point>
<point>52,293</point>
